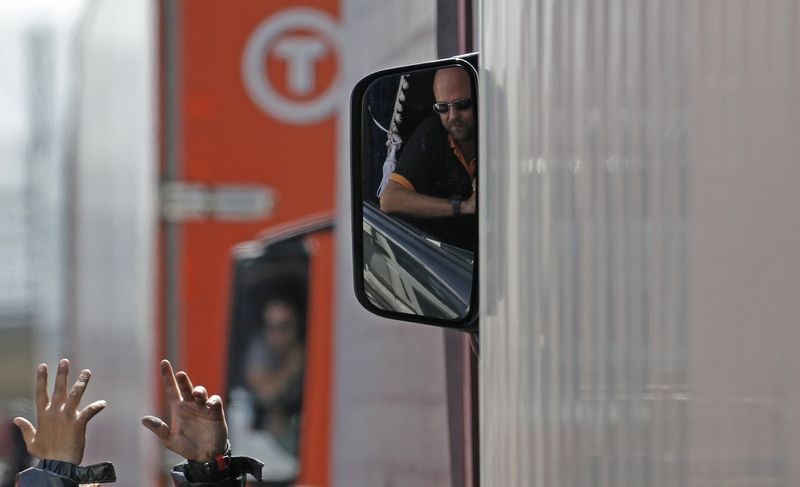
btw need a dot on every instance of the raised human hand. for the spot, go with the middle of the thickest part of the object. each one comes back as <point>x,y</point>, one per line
<point>60,432</point>
<point>198,430</point>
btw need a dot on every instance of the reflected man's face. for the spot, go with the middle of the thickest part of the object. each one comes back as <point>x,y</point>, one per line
<point>449,85</point>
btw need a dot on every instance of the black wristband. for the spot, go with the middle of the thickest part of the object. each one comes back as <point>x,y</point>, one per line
<point>99,473</point>
<point>221,468</point>
<point>217,468</point>
<point>455,202</point>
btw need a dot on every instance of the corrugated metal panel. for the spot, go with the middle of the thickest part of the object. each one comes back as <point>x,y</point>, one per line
<point>639,213</point>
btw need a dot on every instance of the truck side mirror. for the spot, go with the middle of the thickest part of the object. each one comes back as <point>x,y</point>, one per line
<point>414,147</point>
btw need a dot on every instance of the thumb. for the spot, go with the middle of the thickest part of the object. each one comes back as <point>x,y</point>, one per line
<point>90,411</point>
<point>158,427</point>
<point>27,429</point>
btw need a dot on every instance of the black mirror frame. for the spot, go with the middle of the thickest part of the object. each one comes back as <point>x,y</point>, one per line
<point>470,322</point>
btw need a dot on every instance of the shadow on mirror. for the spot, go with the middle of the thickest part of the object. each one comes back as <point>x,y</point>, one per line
<point>418,187</point>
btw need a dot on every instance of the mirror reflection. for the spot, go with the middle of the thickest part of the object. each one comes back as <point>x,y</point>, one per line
<point>419,168</point>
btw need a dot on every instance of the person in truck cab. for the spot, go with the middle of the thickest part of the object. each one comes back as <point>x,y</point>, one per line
<point>433,185</point>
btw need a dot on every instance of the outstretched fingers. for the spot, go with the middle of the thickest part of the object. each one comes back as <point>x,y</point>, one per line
<point>42,396</point>
<point>200,395</point>
<point>76,393</point>
<point>184,385</point>
<point>158,427</point>
<point>214,404</point>
<point>60,388</point>
<point>168,379</point>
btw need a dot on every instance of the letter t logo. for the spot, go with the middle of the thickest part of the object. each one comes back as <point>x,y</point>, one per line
<point>301,55</point>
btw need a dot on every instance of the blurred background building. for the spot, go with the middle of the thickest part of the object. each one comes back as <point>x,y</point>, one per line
<point>33,88</point>
<point>34,54</point>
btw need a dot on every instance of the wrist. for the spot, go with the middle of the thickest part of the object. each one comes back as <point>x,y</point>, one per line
<point>64,455</point>
<point>205,450</point>
<point>214,469</point>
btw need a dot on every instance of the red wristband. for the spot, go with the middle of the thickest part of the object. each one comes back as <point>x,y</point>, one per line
<point>222,462</point>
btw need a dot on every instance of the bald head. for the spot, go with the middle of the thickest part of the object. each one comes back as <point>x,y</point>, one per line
<point>449,85</point>
<point>453,81</point>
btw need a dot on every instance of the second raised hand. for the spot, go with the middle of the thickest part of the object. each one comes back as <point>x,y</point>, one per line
<point>198,430</point>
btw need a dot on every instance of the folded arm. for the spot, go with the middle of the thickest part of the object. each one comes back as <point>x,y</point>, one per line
<point>397,199</point>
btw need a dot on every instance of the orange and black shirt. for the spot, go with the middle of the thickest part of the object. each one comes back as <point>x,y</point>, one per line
<point>431,164</point>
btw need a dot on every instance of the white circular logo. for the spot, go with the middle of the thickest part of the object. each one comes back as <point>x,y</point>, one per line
<point>300,54</point>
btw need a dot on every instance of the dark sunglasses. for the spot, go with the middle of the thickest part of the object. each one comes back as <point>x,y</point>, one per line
<point>462,104</point>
